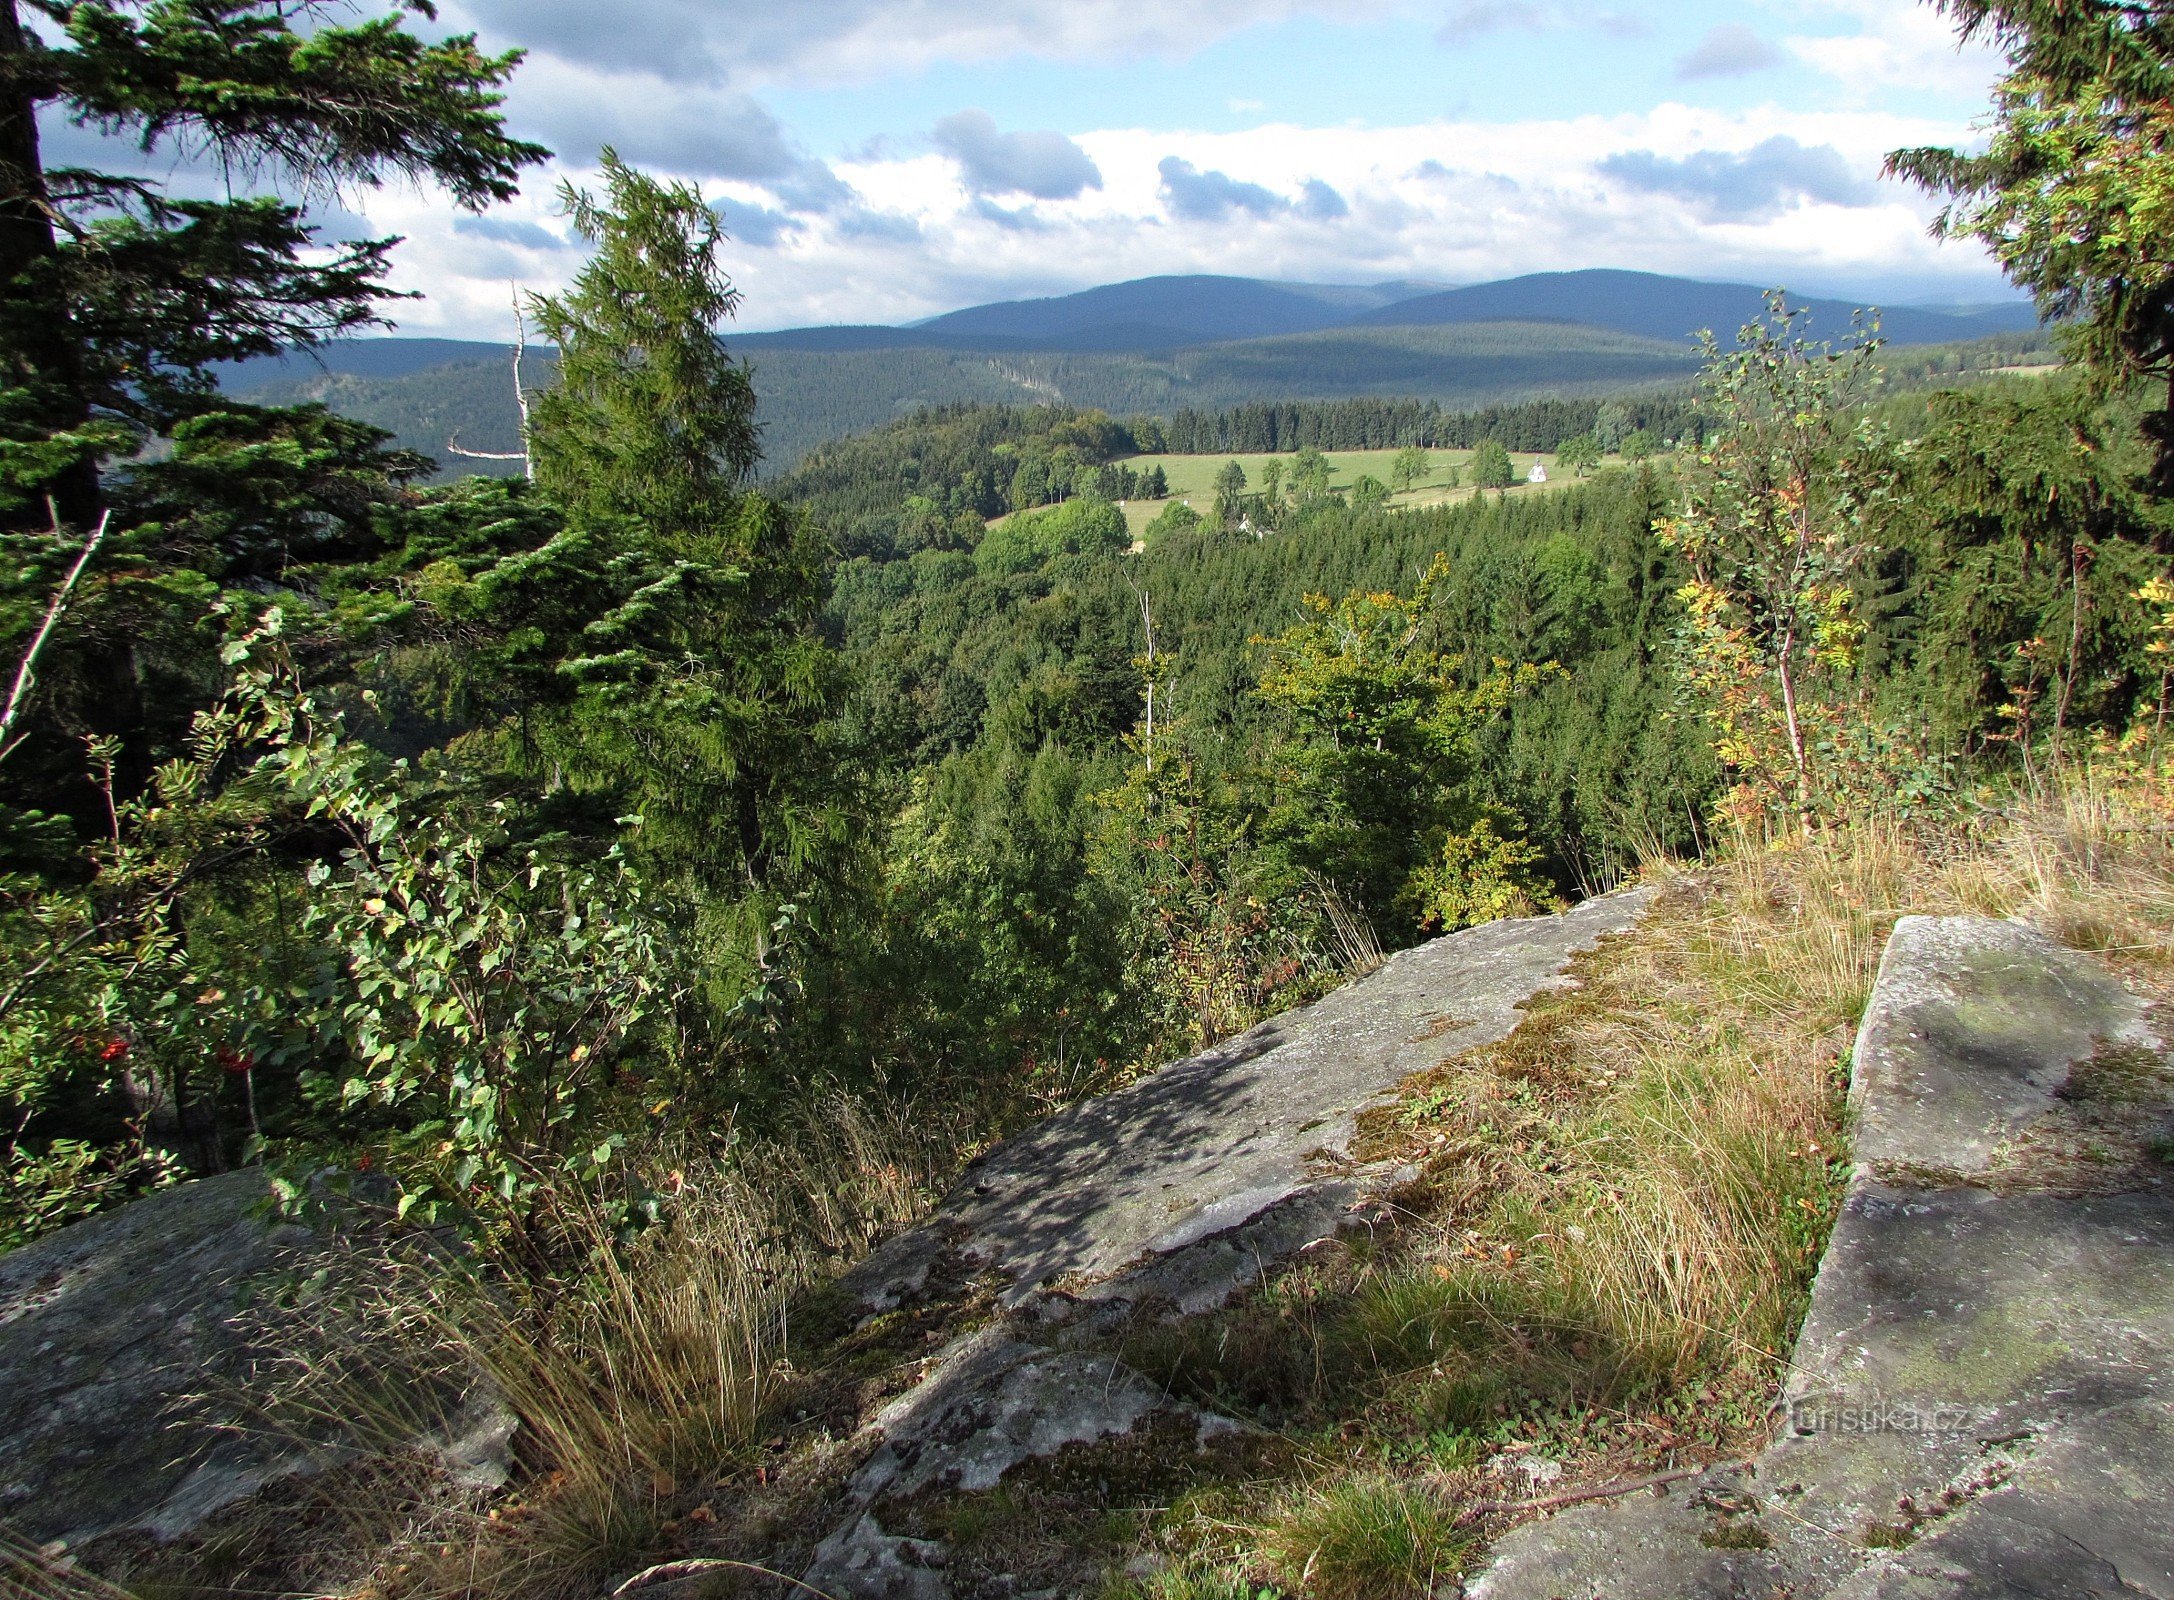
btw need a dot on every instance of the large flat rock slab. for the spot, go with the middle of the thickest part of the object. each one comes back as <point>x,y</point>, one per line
<point>1982,1399</point>
<point>1177,1192</point>
<point>1972,1035</point>
<point>113,1334</point>
<point>1208,1144</point>
<point>104,1328</point>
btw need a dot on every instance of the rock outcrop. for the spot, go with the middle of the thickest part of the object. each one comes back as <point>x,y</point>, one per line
<point>1982,1400</point>
<point>1175,1193</point>
<point>112,1333</point>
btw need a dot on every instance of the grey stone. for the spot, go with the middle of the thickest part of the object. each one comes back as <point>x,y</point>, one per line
<point>110,1329</point>
<point>1972,1030</point>
<point>1206,1145</point>
<point>992,1403</point>
<point>1982,1399</point>
<point>862,1562</point>
<point>1177,1192</point>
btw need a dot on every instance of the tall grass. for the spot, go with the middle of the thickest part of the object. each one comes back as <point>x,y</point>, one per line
<point>643,1371</point>
<point>1621,1207</point>
<point>35,1572</point>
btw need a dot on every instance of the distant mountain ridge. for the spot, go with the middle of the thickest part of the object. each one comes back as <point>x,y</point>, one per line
<point>1157,315</point>
<point>1183,310</point>
<point>1154,346</point>
<point>1165,315</point>
<point>1657,307</point>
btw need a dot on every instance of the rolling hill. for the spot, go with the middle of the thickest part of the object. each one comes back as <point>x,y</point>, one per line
<point>1154,346</point>
<point>1655,307</point>
<point>1166,313</point>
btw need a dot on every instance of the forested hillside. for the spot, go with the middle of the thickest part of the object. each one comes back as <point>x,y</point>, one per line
<point>637,884</point>
<point>1005,675</point>
<point>814,396</point>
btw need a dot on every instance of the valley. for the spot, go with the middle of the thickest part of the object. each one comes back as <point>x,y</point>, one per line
<point>1184,344</point>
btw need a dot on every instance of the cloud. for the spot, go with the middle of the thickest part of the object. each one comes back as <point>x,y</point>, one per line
<point>510,230</point>
<point>1453,200</point>
<point>1020,219</point>
<point>1046,166</point>
<point>705,41</point>
<point>695,132</point>
<point>811,187</point>
<point>1468,19</point>
<point>1317,202</point>
<point>887,227</point>
<point>1196,196</point>
<point>1758,183</point>
<point>1473,19</point>
<point>1889,46</point>
<point>1729,51</point>
<point>748,223</point>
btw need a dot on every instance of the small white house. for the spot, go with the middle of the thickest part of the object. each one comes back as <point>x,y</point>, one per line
<point>1538,474</point>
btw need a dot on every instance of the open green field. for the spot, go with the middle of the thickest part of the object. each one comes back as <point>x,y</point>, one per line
<point>1192,478</point>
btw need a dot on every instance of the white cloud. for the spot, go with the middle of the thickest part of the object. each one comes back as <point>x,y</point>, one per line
<point>1892,46</point>
<point>710,41</point>
<point>1765,196</point>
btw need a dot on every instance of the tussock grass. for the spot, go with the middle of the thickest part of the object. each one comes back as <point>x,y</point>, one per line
<point>34,1572</point>
<point>1364,1538</point>
<point>644,1371</point>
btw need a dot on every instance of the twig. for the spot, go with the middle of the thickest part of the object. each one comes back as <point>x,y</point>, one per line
<point>1606,1491</point>
<point>27,674</point>
<point>673,1571</point>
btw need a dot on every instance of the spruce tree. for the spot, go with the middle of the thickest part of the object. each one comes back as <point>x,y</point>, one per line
<point>2074,193</point>
<point>707,688</point>
<point>651,418</point>
<point>116,295</point>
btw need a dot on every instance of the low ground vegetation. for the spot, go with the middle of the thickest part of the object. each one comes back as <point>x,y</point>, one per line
<point>1594,1278</point>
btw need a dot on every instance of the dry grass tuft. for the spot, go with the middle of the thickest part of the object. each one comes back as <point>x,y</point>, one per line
<point>1364,1538</point>
<point>644,1371</point>
<point>47,1572</point>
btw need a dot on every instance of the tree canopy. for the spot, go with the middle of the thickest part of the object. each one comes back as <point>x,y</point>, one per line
<point>2074,192</point>
<point>115,294</point>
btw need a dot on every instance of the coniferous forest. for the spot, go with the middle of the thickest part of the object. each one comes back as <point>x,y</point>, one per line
<point>760,794</point>
<point>530,843</point>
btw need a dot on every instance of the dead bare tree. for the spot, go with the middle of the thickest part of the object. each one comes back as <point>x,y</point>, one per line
<point>520,401</point>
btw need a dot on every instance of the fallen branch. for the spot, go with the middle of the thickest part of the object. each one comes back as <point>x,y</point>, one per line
<point>673,1571</point>
<point>1554,1502</point>
<point>452,448</point>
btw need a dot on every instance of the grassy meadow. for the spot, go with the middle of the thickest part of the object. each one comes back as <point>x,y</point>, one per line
<point>1193,477</point>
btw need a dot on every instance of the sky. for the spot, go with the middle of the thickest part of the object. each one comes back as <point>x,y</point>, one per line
<point>887,160</point>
